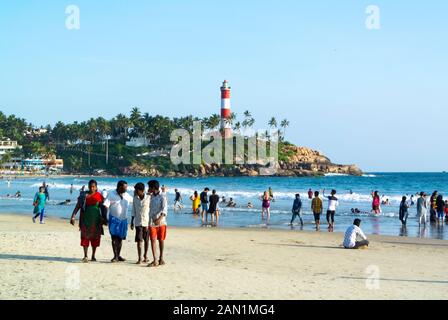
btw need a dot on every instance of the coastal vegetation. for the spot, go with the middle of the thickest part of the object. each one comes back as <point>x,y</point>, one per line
<point>100,145</point>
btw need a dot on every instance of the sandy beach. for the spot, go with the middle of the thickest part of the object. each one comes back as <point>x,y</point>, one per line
<point>43,262</point>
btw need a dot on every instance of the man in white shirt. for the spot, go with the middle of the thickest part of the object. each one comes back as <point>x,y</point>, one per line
<point>118,202</point>
<point>332,205</point>
<point>352,234</point>
<point>157,221</point>
<point>140,219</point>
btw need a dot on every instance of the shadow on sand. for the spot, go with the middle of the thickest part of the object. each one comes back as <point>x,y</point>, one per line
<point>37,258</point>
<point>397,280</point>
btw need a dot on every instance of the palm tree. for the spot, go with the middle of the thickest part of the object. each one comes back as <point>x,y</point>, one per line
<point>284,124</point>
<point>213,122</point>
<point>273,122</point>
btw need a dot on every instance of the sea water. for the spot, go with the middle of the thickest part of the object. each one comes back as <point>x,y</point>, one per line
<point>353,192</point>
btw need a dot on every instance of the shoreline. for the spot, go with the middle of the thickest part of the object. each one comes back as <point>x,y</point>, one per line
<point>208,263</point>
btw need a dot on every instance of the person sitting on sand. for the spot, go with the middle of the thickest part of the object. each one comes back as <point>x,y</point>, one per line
<point>231,203</point>
<point>352,234</point>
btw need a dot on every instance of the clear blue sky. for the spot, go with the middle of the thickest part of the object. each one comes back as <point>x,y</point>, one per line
<point>377,98</point>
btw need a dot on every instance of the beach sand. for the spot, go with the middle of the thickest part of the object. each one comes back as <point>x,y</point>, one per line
<point>43,262</point>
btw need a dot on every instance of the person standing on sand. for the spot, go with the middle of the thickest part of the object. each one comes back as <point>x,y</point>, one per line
<point>310,194</point>
<point>266,206</point>
<point>118,202</point>
<point>157,221</point>
<point>39,205</point>
<point>404,211</point>
<point>332,204</point>
<point>317,207</point>
<point>376,203</point>
<point>90,221</point>
<point>440,209</point>
<point>296,209</point>
<point>433,210</point>
<point>352,234</point>
<point>214,208</point>
<point>204,203</point>
<point>422,209</point>
<point>140,219</point>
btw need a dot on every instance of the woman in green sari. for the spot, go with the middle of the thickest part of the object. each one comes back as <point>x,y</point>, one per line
<point>90,221</point>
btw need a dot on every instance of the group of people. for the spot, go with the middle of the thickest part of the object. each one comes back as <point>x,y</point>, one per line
<point>438,209</point>
<point>148,211</point>
<point>205,204</point>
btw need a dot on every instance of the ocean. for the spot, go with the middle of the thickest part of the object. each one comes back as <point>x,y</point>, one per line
<point>353,192</point>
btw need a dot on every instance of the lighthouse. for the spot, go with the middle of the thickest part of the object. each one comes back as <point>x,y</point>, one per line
<point>226,126</point>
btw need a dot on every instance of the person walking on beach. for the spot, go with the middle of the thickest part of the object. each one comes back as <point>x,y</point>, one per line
<point>266,206</point>
<point>118,202</point>
<point>196,202</point>
<point>296,209</point>
<point>352,234</point>
<point>376,203</point>
<point>90,221</point>
<point>317,207</point>
<point>177,200</point>
<point>157,222</point>
<point>214,208</point>
<point>204,203</point>
<point>140,220</point>
<point>404,211</point>
<point>333,202</point>
<point>433,204</point>
<point>422,209</point>
<point>310,194</point>
<point>440,208</point>
<point>39,205</point>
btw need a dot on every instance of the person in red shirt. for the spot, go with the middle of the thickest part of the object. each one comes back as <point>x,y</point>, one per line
<point>90,220</point>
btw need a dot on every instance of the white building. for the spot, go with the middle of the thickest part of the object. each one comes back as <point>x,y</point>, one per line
<point>8,146</point>
<point>138,142</point>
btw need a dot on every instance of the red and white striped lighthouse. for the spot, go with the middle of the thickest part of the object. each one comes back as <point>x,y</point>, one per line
<point>226,112</point>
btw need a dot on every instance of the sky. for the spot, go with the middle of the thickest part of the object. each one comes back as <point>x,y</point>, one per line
<point>376,98</point>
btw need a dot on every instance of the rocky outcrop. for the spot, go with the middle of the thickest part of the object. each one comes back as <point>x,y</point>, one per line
<point>296,162</point>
